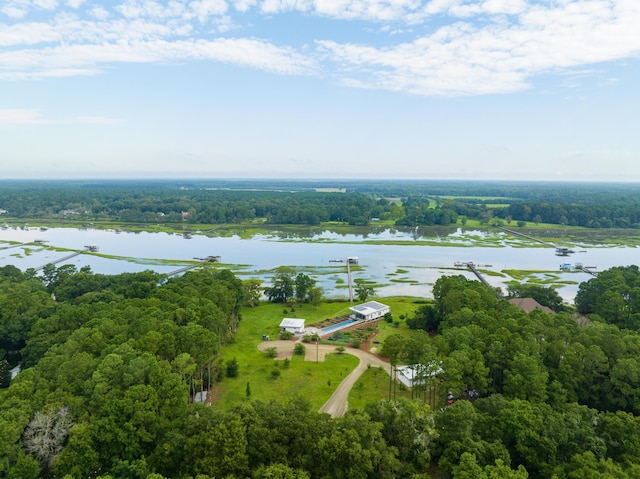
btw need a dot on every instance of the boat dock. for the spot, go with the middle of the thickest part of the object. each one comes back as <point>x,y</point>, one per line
<point>579,267</point>
<point>208,259</point>
<point>87,249</point>
<point>474,268</point>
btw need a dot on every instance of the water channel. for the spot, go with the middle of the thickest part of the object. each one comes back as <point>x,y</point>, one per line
<point>398,262</point>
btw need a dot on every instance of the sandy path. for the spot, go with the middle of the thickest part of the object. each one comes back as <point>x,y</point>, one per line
<point>337,404</point>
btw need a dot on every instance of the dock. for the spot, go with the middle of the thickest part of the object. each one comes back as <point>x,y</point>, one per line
<point>208,259</point>
<point>87,249</point>
<point>474,268</point>
<point>523,235</point>
<point>579,267</point>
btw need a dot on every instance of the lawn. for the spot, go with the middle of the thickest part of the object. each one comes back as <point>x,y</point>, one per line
<point>313,381</point>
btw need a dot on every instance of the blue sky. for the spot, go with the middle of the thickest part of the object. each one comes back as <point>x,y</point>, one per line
<point>469,89</point>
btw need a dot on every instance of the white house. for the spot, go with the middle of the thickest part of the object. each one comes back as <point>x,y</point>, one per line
<point>369,311</point>
<point>418,373</point>
<point>293,325</point>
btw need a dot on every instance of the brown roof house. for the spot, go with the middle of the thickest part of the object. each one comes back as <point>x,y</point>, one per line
<point>529,304</point>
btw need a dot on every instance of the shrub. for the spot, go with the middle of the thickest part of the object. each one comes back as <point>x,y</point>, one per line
<point>356,343</point>
<point>275,373</point>
<point>340,349</point>
<point>232,368</point>
<point>299,349</point>
<point>271,352</point>
<point>286,335</point>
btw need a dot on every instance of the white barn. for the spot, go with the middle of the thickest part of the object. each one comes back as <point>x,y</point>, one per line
<point>369,311</point>
<point>293,325</point>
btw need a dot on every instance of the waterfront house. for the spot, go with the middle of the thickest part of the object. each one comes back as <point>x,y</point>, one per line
<point>369,311</point>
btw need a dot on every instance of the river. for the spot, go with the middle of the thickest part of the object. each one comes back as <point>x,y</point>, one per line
<point>398,262</point>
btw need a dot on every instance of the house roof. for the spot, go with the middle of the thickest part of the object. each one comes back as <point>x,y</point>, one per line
<point>369,307</point>
<point>292,323</point>
<point>529,304</point>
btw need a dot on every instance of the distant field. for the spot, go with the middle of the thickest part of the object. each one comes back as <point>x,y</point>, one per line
<point>497,199</point>
<point>331,190</point>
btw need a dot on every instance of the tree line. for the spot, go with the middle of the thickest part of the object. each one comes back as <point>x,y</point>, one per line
<point>112,366</point>
<point>359,203</point>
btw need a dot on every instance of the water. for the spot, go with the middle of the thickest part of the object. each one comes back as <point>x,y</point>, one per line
<point>333,327</point>
<point>399,269</point>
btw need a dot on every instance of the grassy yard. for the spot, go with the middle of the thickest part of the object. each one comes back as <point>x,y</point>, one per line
<point>372,386</point>
<point>313,381</point>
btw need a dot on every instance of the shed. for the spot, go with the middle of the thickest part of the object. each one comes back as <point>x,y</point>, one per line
<point>369,311</point>
<point>417,374</point>
<point>293,325</point>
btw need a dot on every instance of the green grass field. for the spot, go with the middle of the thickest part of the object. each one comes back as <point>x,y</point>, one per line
<point>313,381</point>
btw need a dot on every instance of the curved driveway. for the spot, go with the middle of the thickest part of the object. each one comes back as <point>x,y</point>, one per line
<point>337,404</point>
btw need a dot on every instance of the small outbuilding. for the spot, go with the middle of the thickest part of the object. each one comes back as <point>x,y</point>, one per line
<point>292,325</point>
<point>369,311</point>
<point>418,374</point>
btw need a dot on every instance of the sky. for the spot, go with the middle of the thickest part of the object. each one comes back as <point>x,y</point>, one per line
<point>388,89</point>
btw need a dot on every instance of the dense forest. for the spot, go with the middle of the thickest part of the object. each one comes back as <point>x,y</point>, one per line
<point>405,203</point>
<point>111,366</point>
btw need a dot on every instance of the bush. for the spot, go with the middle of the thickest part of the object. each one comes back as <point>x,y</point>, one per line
<point>275,373</point>
<point>232,368</point>
<point>340,349</point>
<point>388,317</point>
<point>286,363</point>
<point>299,349</point>
<point>271,352</point>
<point>286,335</point>
<point>356,343</point>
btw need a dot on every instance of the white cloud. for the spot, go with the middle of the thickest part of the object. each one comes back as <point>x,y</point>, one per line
<point>20,117</point>
<point>88,58</point>
<point>243,5</point>
<point>99,13</point>
<point>464,58</point>
<point>28,33</point>
<point>203,9</point>
<point>467,47</point>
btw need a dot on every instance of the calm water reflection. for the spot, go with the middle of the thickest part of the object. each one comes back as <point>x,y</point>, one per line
<point>401,269</point>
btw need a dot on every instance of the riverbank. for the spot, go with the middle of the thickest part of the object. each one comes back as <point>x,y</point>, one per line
<point>472,233</point>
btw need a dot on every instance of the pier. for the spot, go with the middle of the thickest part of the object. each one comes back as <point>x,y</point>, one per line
<point>88,248</point>
<point>350,260</point>
<point>474,268</point>
<point>579,267</point>
<point>18,245</point>
<point>208,259</point>
<point>537,240</point>
<point>13,246</point>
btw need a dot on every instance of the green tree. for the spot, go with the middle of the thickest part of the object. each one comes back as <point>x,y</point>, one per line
<point>364,291</point>
<point>252,291</point>
<point>282,288</point>
<point>232,368</point>
<point>304,284</point>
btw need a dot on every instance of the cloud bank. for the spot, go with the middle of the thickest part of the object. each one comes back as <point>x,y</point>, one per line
<point>437,47</point>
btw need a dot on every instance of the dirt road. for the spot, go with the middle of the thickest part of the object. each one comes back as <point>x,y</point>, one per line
<point>337,404</point>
